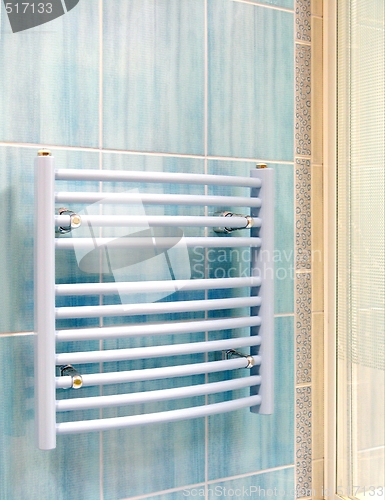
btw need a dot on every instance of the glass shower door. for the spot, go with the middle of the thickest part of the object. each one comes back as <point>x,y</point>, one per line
<point>361,249</point>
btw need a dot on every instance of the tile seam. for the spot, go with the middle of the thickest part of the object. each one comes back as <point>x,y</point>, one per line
<point>268,6</point>
<point>205,166</point>
<point>305,384</point>
<point>16,334</point>
<point>294,247</point>
<point>146,153</point>
<point>211,482</point>
<point>100,138</point>
<point>251,474</point>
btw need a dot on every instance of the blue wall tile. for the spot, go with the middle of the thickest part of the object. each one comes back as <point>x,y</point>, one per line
<point>69,471</point>
<point>153,75</point>
<point>49,86</point>
<point>277,484</point>
<point>226,261</point>
<point>284,238</point>
<point>241,442</point>
<point>16,237</point>
<point>149,459</point>
<point>251,71</point>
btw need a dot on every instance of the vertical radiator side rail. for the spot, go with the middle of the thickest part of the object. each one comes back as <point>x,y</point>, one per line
<point>262,264</point>
<point>44,300</point>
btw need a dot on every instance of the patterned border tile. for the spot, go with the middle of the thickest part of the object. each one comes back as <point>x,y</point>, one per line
<point>302,100</point>
<point>303,451</point>
<point>303,328</point>
<point>303,288</point>
<point>302,20</point>
<point>303,214</point>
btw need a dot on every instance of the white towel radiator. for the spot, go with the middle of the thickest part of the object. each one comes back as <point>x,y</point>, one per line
<point>56,370</point>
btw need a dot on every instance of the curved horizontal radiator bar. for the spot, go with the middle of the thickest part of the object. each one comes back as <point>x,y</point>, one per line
<point>158,177</point>
<point>154,351</point>
<point>158,221</point>
<point>153,418</point>
<point>156,199</point>
<point>155,308</point>
<point>165,242</point>
<point>149,329</point>
<point>155,286</point>
<point>158,395</point>
<point>122,377</point>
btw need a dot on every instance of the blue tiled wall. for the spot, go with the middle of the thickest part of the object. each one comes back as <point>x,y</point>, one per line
<point>157,85</point>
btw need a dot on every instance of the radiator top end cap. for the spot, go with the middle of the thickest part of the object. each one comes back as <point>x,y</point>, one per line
<point>44,152</point>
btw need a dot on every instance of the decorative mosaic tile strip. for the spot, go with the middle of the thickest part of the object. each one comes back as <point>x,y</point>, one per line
<point>302,141</point>
<point>303,328</point>
<point>303,432</point>
<point>302,20</point>
<point>302,100</point>
<point>303,214</point>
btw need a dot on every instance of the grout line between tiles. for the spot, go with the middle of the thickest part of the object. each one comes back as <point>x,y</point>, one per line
<point>295,246</point>
<point>15,334</point>
<point>302,42</point>
<point>205,147</point>
<point>256,160</point>
<point>101,343</point>
<point>206,81</point>
<point>204,484</point>
<point>251,474</point>
<point>298,386</point>
<point>267,6</point>
<point>316,16</point>
<point>144,153</point>
<point>100,75</point>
